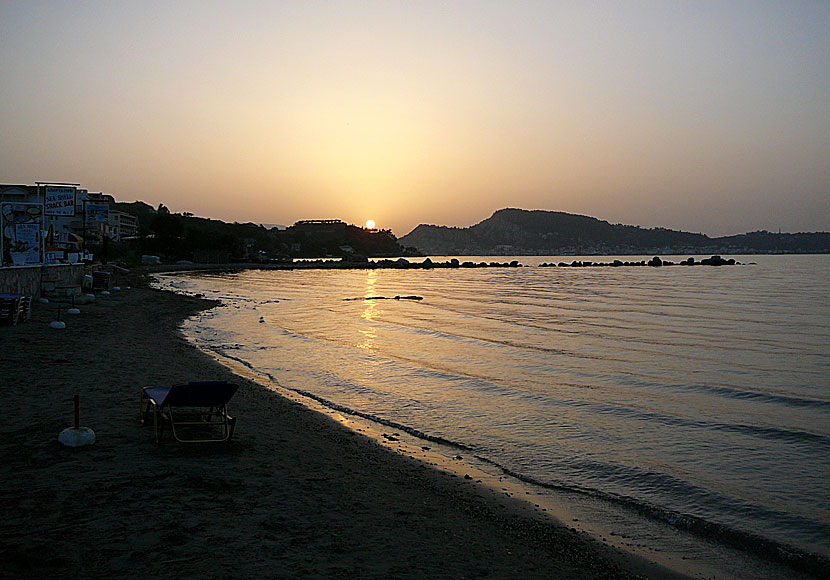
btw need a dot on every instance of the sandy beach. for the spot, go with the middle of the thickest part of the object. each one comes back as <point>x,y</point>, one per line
<point>295,495</point>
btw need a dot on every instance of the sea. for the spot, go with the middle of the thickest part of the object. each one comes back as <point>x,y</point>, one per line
<point>681,413</point>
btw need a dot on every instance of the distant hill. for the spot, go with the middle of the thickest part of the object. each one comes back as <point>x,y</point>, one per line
<point>537,232</point>
<point>183,236</point>
<point>136,208</point>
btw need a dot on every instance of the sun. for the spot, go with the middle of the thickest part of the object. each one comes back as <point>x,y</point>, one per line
<point>370,224</point>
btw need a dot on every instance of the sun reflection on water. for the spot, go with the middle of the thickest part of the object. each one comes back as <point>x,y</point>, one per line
<point>369,313</point>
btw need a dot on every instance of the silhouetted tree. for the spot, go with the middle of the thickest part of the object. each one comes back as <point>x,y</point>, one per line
<point>168,230</point>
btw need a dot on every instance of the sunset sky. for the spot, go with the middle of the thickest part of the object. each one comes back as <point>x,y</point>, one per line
<point>702,116</point>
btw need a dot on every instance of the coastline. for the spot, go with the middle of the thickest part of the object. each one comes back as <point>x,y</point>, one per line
<point>690,546</point>
<point>295,494</point>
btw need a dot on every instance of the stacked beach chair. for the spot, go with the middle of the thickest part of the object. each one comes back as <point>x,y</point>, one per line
<point>15,308</point>
<point>100,281</point>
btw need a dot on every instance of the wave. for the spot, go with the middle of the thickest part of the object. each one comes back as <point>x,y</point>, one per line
<point>778,552</point>
<point>347,410</point>
<point>791,436</point>
<point>760,431</point>
<point>774,398</point>
<point>694,347</point>
<point>765,548</point>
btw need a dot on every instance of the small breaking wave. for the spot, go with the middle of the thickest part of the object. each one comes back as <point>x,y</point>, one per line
<point>746,541</point>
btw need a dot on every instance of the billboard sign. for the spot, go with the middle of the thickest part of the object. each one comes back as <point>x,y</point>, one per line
<point>20,226</point>
<point>60,201</point>
<point>27,242</point>
<point>97,212</point>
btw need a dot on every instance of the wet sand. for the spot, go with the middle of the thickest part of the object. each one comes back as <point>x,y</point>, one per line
<point>296,495</point>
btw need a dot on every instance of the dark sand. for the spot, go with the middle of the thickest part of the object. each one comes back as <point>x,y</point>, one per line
<point>296,495</point>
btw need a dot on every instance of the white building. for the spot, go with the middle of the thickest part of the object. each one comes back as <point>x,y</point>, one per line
<point>122,225</point>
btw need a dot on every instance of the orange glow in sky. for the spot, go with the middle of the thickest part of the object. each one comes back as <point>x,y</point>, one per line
<point>711,117</point>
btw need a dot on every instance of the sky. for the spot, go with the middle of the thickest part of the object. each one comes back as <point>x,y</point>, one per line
<point>705,116</point>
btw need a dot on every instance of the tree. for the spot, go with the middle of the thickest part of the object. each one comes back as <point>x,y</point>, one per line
<point>168,229</point>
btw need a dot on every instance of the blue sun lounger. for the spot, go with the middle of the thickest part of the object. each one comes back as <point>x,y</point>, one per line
<point>196,412</point>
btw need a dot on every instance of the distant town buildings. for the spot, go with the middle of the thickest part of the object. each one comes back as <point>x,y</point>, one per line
<point>318,227</point>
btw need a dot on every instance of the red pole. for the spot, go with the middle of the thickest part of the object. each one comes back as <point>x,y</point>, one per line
<point>77,412</point>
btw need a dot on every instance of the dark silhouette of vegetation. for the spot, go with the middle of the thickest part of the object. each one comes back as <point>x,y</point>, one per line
<point>183,236</point>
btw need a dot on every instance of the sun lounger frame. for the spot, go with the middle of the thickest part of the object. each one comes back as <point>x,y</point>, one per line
<point>183,405</point>
<point>15,308</point>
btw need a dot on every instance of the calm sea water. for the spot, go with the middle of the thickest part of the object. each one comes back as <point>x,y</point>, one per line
<point>697,395</point>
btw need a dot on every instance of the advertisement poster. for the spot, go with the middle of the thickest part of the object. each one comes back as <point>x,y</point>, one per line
<point>97,212</point>
<point>28,241</point>
<point>60,201</point>
<point>20,225</point>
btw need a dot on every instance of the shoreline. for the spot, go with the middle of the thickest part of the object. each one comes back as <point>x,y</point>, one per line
<point>687,544</point>
<point>672,551</point>
<point>295,494</point>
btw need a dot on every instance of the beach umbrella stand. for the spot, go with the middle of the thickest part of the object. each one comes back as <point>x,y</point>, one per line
<point>77,436</point>
<point>58,323</point>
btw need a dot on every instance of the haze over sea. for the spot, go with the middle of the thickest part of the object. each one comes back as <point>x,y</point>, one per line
<point>698,396</point>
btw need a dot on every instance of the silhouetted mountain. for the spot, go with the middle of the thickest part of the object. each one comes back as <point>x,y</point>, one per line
<point>139,209</point>
<point>538,232</point>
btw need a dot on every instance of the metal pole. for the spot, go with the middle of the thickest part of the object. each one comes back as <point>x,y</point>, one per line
<point>2,235</point>
<point>83,251</point>
<point>42,226</point>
